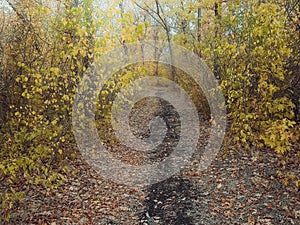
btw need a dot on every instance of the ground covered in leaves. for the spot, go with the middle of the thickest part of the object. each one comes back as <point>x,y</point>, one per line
<point>242,188</point>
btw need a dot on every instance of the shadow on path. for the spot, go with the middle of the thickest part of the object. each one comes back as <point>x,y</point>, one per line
<point>168,202</point>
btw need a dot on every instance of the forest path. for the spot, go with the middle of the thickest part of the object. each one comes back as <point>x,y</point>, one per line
<point>240,189</point>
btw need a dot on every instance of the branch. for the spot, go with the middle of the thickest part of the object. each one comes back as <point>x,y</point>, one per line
<point>26,22</point>
<point>150,11</point>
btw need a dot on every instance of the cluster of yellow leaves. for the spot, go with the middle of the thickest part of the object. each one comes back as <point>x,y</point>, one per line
<point>254,58</point>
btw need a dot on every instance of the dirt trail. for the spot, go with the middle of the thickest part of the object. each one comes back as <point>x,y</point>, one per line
<point>240,189</point>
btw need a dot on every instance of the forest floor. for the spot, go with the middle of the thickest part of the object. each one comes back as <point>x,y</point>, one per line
<point>242,188</point>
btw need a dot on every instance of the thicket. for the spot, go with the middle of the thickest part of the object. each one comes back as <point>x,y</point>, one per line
<point>253,47</point>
